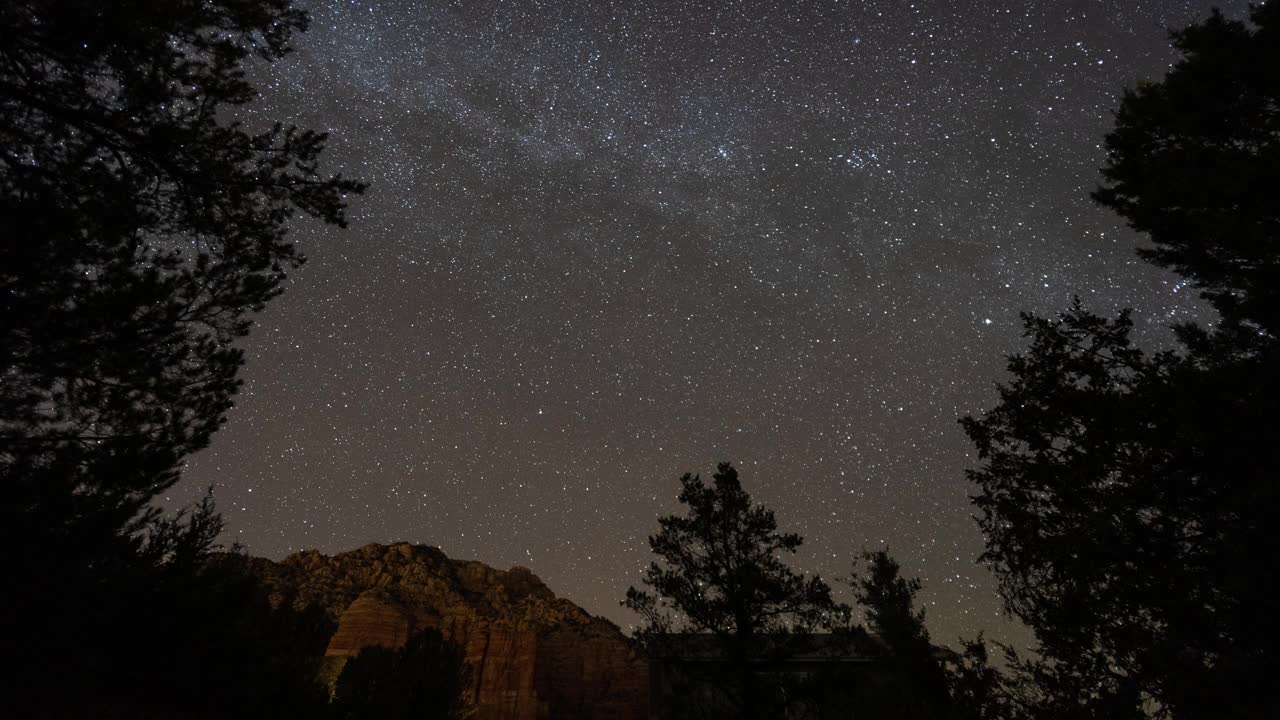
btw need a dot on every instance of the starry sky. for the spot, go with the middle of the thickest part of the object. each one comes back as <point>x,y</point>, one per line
<point>608,243</point>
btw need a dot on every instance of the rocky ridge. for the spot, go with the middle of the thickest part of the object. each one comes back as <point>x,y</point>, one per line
<point>534,656</point>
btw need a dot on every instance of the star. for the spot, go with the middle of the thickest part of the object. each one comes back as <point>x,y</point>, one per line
<point>759,235</point>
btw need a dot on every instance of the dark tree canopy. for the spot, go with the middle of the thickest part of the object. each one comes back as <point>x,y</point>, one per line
<point>142,228</point>
<point>172,629</point>
<point>721,569</point>
<point>721,575</point>
<point>889,601</point>
<point>1126,496</point>
<point>918,684</point>
<point>427,679</point>
<point>1194,160</point>
<point>916,679</point>
<point>1126,501</point>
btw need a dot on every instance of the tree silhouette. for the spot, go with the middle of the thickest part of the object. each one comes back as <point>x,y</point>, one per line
<point>427,679</point>
<point>1126,496</point>
<point>206,629</point>
<point>916,685</point>
<point>175,628</point>
<point>1126,502</point>
<point>978,689</point>
<point>143,228</point>
<point>721,577</point>
<point>915,679</point>
<point>1193,162</point>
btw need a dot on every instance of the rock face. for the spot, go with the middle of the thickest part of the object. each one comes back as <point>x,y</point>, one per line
<point>533,656</point>
<point>370,620</point>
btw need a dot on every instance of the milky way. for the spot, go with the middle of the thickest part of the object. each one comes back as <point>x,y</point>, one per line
<point>609,243</point>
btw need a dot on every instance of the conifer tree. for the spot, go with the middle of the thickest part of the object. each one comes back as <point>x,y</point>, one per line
<point>1127,496</point>
<point>143,227</point>
<point>721,577</point>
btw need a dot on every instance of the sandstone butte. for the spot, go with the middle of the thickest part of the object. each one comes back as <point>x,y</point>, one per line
<point>534,656</point>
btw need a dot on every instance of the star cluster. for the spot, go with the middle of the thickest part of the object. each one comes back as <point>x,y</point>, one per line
<point>607,243</point>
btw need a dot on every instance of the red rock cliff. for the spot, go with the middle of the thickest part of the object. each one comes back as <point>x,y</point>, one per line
<point>533,656</point>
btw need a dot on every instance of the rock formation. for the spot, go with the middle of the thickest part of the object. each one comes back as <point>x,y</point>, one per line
<point>370,620</point>
<point>533,656</point>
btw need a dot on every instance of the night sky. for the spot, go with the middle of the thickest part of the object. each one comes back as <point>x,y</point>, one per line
<point>609,243</point>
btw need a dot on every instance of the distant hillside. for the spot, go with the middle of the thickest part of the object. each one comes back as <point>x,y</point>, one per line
<point>534,656</point>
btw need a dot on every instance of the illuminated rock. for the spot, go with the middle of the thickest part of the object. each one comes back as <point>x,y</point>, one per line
<point>533,656</point>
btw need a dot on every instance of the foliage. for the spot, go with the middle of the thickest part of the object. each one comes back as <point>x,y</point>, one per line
<point>144,227</point>
<point>917,679</point>
<point>1127,496</point>
<point>174,627</point>
<point>1194,160</point>
<point>916,686</point>
<point>889,601</point>
<point>978,690</point>
<point>1125,501</point>
<point>721,575</point>
<point>722,571</point>
<point>427,679</point>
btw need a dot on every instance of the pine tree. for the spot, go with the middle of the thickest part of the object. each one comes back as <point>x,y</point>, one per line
<point>144,226</point>
<point>721,578</point>
<point>1126,496</point>
<point>916,682</point>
